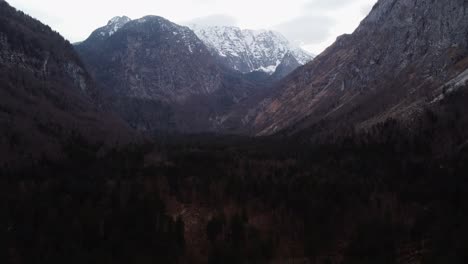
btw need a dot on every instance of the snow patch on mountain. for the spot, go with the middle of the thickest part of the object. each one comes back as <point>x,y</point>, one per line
<point>113,26</point>
<point>239,49</point>
<point>269,69</point>
<point>249,50</point>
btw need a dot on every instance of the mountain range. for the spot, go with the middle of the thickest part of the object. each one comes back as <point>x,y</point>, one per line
<point>249,50</point>
<point>160,76</point>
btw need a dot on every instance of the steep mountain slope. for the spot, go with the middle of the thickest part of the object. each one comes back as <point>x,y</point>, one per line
<point>288,64</point>
<point>249,50</point>
<point>161,76</point>
<point>46,94</point>
<point>393,65</point>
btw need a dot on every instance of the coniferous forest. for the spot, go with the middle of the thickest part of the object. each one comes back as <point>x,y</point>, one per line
<point>388,194</point>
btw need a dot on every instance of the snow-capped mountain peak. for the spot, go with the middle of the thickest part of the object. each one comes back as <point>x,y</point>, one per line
<point>249,50</point>
<point>116,23</point>
<point>112,26</point>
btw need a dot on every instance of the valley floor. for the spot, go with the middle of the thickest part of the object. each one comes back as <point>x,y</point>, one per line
<point>390,194</point>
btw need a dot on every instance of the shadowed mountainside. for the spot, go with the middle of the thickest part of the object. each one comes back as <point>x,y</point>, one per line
<point>46,94</point>
<point>159,76</point>
<point>397,61</point>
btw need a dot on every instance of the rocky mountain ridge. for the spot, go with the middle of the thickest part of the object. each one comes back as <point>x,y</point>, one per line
<point>392,66</point>
<point>247,50</point>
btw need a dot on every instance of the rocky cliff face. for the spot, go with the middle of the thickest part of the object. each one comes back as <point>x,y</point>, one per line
<point>249,50</point>
<point>151,58</point>
<point>393,65</point>
<point>29,46</point>
<point>161,76</point>
<point>288,64</point>
<point>46,94</point>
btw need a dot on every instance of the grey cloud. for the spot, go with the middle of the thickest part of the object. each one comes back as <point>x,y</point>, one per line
<point>326,4</point>
<point>307,30</point>
<point>214,20</point>
<point>366,9</point>
<point>45,17</point>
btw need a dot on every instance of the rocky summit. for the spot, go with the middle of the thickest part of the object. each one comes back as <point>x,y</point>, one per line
<point>247,50</point>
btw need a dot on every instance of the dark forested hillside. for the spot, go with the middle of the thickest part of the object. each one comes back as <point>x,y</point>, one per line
<point>45,92</point>
<point>391,194</point>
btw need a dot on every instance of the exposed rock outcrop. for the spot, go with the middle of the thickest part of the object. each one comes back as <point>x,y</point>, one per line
<point>391,66</point>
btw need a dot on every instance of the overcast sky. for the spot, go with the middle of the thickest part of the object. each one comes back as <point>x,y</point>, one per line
<point>313,24</point>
